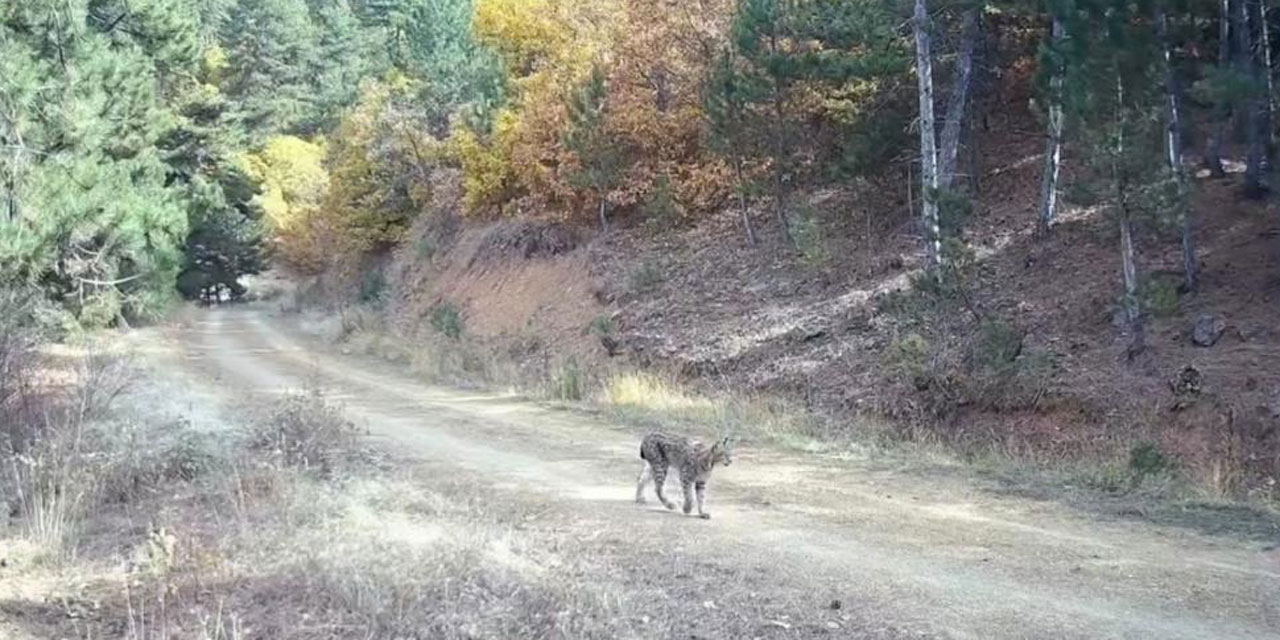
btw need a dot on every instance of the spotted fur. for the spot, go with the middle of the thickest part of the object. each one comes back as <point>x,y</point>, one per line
<point>693,460</point>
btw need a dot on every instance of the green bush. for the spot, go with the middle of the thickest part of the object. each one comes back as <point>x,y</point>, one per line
<point>569,382</point>
<point>373,287</point>
<point>908,356</point>
<point>660,207</point>
<point>602,325</point>
<point>446,319</point>
<point>998,345</point>
<point>1160,296</point>
<point>810,238</point>
<point>1147,460</point>
<point>646,277</point>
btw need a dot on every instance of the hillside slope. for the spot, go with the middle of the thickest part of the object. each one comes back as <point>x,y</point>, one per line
<point>838,326</point>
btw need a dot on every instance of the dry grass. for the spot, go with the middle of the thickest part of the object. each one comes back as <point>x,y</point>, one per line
<point>285,527</point>
<point>653,401</point>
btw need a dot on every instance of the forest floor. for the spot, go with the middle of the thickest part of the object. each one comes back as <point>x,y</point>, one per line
<point>800,545</point>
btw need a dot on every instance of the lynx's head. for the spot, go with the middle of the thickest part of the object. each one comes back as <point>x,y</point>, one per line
<point>722,452</point>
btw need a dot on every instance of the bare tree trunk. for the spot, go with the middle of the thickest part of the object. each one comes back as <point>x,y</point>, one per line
<point>1053,140</point>
<point>779,154</point>
<point>604,222</point>
<point>1128,261</point>
<point>1132,306</point>
<point>1213,155</point>
<point>1265,33</point>
<point>742,201</point>
<point>11,198</point>
<point>1256,105</point>
<point>959,95</point>
<point>779,149</point>
<point>1173,146</point>
<point>928,143</point>
<point>975,111</point>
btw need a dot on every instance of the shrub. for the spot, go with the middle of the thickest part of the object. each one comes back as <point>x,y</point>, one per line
<point>602,325</point>
<point>810,238</point>
<point>373,287</point>
<point>660,207</point>
<point>18,360</point>
<point>446,319</point>
<point>569,382</point>
<point>137,461</point>
<point>646,277</point>
<point>1147,460</point>
<point>998,345</point>
<point>304,431</point>
<point>1160,296</point>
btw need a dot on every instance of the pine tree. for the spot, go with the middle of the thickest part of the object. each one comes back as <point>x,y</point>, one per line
<point>727,98</point>
<point>786,45</point>
<point>271,46</point>
<point>1173,146</point>
<point>345,54</point>
<point>600,162</point>
<point>1114,93</point>
<point>92,219</point>
<point>1256,104</point>
<point>432,40</point>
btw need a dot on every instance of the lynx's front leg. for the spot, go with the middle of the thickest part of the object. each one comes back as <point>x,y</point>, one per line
<point>687,487</point>
<point>701,489</point>
<point>645,476</point>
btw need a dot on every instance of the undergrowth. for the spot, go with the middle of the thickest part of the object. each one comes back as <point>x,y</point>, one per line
<point>288,508</point>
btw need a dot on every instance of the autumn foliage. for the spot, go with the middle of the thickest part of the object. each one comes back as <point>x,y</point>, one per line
<point>601,109</point>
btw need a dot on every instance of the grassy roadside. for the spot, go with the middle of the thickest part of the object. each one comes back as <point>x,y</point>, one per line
<point>134,522</point>
<point>158,512</point>
<point>1130,484</point>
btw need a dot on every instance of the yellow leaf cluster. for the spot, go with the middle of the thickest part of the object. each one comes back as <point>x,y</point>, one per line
<point>293,182</point>
<point>548,47</point>
<point>655,54</point>
<point>379,162</point>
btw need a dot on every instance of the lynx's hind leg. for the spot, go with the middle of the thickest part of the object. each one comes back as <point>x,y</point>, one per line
<point>659,481</point>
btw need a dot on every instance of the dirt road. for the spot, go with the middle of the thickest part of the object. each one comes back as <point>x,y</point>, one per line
<point>904,556</point>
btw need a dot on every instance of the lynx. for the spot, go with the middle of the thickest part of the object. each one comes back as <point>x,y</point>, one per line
<point>693,460</point>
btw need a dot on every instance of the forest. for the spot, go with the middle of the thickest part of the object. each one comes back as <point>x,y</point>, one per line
<point>154,145</point>
<point>358,318</point>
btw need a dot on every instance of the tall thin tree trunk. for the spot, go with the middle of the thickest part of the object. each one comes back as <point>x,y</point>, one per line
<point>1128,260</point>
<point>604,222</point>
<point>1053,140</point>
<point>1213,155</point>
<point>1132,305</point>
<point>928,144</point>
<point>975,111</point>
<point>953,124</point>
<point>1173,147</point>
<point>11,200</point>
<point>1256,104</point>
<point>1265,43</point>
<point>742,201</point>
<point>779,159</point>
<point>779,150</point>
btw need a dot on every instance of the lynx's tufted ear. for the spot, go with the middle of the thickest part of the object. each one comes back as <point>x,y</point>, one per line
<point>724,451</point>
